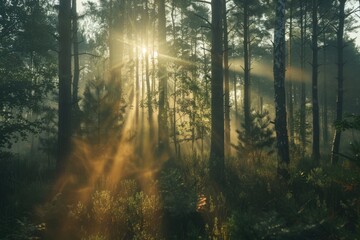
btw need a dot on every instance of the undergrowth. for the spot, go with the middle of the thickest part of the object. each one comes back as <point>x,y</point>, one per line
<point>180,202</point>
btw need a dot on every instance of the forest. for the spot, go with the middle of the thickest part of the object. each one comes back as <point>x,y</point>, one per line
<point>180,119</point>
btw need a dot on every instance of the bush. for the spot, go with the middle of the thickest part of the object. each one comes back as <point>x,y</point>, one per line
<point>260,139</point>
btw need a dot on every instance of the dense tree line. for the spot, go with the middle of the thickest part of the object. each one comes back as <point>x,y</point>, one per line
<point>174,42</point>
<point>156,82</point>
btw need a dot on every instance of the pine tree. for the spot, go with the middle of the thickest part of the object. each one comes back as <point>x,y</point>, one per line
<point>65,106</point>
<point>282,141</point>
<point>260,139</point>
<point>217,171</point>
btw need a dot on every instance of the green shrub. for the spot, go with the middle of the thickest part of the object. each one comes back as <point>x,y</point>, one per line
<point>260,139</point>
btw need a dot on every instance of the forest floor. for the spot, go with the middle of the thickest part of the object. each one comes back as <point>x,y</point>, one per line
<point>178,201</point>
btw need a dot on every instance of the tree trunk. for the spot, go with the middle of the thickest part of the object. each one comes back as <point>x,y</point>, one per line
<point>247,98</point>
<point>325,108</point>
<point>137,84</point>
<point>279,86</point>
<point>175,84</point>
<point>315,102</point>
<point>340,77</point>
<point>194,102</point>
<point>142,100</point>
<point>76,77</point>
<point>227,82</point>
<point>147,72</point>
<point>216,161</point>
<point>154,55</point>
<point>64,111</point>
<point>162,74</point>
<point>290,82</point>
<point>302,130</point>
<point>130,35</point>
<point>206,91</point>
<point>174,115</point>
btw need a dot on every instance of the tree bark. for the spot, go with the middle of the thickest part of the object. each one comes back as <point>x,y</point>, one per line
<point>302,130</point>
<point>174,126</point>
<point>76,76</point>
<point>227,82</point>
<point>162,74</point>
<point>137,84</point>
<point>206,70</point>
<point>279,86</point>
<point>216,161</point>
<point>247,97</point>
<point>325,108</point>
<point>340,77</point>
<point>147,72</point>
<point>315,102</point>
<point>64,110</point>
<point>290,82</point>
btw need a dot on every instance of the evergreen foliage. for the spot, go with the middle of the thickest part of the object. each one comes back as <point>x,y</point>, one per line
<point>351,122</point>
<point>103,111</point>
<point>261,137</point>
<point>27,69</point>
<point>137,57</point>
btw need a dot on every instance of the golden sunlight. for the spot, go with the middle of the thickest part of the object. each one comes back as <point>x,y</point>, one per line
<point>264,69</point>
<point>147,124</point>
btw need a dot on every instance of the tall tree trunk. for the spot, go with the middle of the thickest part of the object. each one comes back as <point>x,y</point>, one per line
<point>325,108</point>
<point>154,54</point>
<point>290,82</point>
<point>174,115</point>
<point>315,102</point>
<point>206,91</point>
<point>142,100</point>
<point>216,161</point>
<point>175,83</point>
<point>226,81</point>
<point>247,98</point>
<point>147,72</point>
<point>279,86</point>
<point>136,72</point>
<point>302,130</point>
<point>340,77</point>
<point>194,101</point>
<point>64,111</point>
<point>137,83</point>
<point>76,77</point>
<point>162,74</point>
<point>130,35</point>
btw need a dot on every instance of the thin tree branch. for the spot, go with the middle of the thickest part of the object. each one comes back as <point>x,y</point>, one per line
<point>201,1</point>
<point>201,17</point>
<point>90,54</point>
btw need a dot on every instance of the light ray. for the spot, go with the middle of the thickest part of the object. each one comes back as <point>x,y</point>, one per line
<point>265,70</point>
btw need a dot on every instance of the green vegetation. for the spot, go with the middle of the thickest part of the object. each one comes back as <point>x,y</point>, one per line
<point>174,119</point>
<point>181,203</point>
